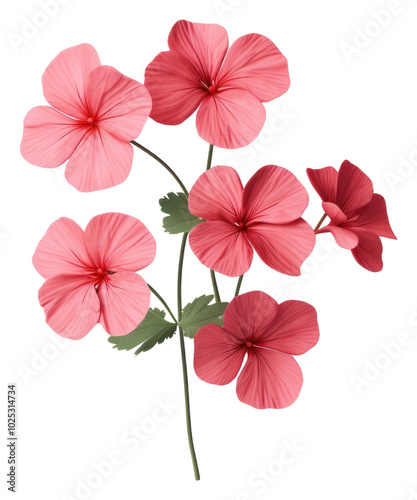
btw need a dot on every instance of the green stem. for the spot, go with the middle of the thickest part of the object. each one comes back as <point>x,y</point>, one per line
<point>162,302</point>
<point>239,284</point>
<point>165,165</point>
<point>210,156</point>
<point>320,223</point>
<point>215,287</point>
<point>184,360</point>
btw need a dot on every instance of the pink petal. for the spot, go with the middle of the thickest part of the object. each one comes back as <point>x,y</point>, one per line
<point>49,137</point>
<point>250,316</point>
<point>333,211</point>
<point>220,247</point>
<point>269,379</point>
<point>374,217</point>
<point>231,118</point>
<point>117,103</point>
<point>324,181</point>
<point>217,358</point>
<point>175,87</point>
<point>62,250</point>
<point>283,247</point>
<point>202,45</point>
<point>71,305</point>
<point>345,238</point>
<point>119,242</point>
<point>124,302</point>
<point>274,195</point>
<point>368,252</point>
<point>101,161</point>
<point>217,195</point>
<point>295,329</point>
<point>256,64</point>
<point>64,80</point>
<point>354,188</point>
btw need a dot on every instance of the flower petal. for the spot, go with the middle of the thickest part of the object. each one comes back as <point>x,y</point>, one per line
<point>324,181</point>
<point>345,238</point>
<point>274,195</point>
<point>71,305</point>
<point>256,64</point>
<point>175,87</point>
<point>49,137</point>
<point>124,302</point>
<point>203,45</point>
<point>62,250</point>
<point>368,252</point>
<point>119,104</point>
<point>269,379</point>
<point>217,195</point>
<point>119,242</point>
<point>217,359</point>
<point>295,330</point>
<point>374,217</point>
<point>101,161</point>
<point>65,78</point>
<point>283,247</point>
<point>354,188</point>
<point>231,118</point>
<point>333,211</point>
<point>249,316</point>
<point>220,247</point>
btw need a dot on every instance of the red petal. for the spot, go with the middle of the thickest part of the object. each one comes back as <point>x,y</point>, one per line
<point>217,359</point>
<point>283,247</point>
<point>124,302</point>
<point>368,252</point>
<point>269,379</point>
<point>71,305</point>
<point>217,195</point>
<point>219,246</point>
<point>374,217</point>
<point>231,118</point>
<point>274,195</point>
<point>345,238</point>
<point>324,181</point>
<point>49,137</point>
<point>333,211</point>
<point>119,242</point>
<point>256,64</point>
<point>62,250</point>
<point>295,329</point>
<point>65,78</point>
<point>354,188</point>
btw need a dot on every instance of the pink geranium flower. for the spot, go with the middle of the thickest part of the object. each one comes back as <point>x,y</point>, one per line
<point>228,89</point>
<point>95,112</point>
<point>265,216</point>
<point>358,217</point>
<point>269,334</point>
<point>91,275</point>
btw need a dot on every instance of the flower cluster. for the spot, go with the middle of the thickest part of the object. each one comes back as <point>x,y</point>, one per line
<point>94,117</point>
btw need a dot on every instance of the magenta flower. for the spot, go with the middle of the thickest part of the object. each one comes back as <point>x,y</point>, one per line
<point>95,112</point>
<point>358,217</point>
<point>228,89</point>
<point>264,216</point>
<point>91,275</point>
<point>269,334</point>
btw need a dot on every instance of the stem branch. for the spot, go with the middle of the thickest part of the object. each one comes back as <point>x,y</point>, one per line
<point>162,302</point>
<point>320,223</point>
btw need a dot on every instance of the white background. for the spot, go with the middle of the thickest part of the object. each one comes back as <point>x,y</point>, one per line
<point>78,407</point>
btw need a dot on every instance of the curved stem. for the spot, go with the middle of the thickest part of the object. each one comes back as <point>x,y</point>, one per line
<point>320,223</point>
<point>162,302</point>
<point>215,287</point>
<point>210,156</point>
<point>184,360</point>
<point>165,165</point>
<point>239,284</point>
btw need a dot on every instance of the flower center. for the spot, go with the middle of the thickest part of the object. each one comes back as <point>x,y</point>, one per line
<point>100,276</point>
<point>249,344</point>
<point>240,225</point>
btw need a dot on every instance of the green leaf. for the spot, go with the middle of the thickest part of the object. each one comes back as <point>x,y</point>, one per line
<point>180,219</point>
<point>199,313</point>
<point>152,330</point>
